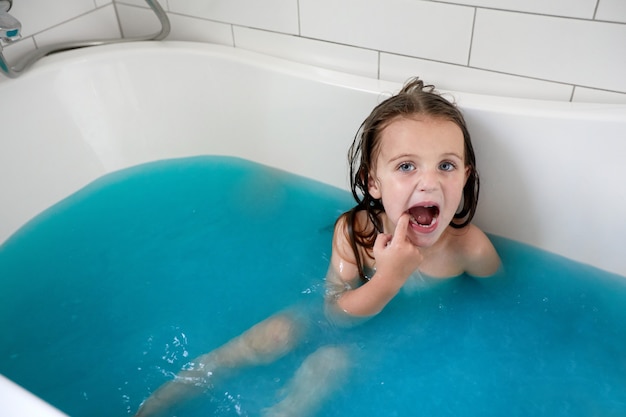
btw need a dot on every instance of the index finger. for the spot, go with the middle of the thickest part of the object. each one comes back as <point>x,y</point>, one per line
<point>401,228</point>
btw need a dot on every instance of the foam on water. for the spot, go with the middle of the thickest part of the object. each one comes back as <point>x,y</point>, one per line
<point>107,294</point>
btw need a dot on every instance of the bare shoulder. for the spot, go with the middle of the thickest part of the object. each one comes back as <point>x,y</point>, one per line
<point>343,267</point>
<point>341,238</point>
<point>477,253</point>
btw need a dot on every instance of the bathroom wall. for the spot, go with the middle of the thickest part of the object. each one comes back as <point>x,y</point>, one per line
<point>566,50</point>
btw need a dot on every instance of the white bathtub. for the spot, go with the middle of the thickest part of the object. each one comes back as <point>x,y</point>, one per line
<point>552,173</point>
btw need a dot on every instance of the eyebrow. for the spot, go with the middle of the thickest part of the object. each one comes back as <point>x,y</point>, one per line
<point>401,156</point>
<point>453,154</point>
<point>410,156</point>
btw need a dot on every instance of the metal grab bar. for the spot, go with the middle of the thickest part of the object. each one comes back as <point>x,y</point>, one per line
<point>13,71</point>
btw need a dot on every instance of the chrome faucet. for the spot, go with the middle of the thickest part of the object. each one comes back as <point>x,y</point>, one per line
<point>10,31</point>
<point>10,27</point>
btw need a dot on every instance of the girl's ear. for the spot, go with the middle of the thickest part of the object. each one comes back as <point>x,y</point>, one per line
<point>468,170</point>
<point>373,187</point>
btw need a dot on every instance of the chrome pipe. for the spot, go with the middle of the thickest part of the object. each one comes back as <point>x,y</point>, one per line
<point>29,59</point>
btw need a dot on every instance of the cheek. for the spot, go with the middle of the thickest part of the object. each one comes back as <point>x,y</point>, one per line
<point>394,203</point>
<point>459,188</point>
<point>455,194</point>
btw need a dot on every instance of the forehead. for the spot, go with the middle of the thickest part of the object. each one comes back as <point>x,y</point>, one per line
<point>421,134</point>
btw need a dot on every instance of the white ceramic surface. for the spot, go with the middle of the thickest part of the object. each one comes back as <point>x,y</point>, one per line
<point>552,172</point>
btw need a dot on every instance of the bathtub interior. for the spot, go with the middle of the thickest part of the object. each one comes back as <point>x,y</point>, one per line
<point>92,114</point>
<point>551,172</point>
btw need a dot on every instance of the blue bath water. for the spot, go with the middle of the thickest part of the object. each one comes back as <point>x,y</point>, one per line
<point>107,294</point>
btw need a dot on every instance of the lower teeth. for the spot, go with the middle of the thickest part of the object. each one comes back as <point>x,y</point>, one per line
<point>414,221</point>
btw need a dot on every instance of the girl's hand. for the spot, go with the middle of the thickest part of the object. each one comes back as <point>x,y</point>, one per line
<point>395,259</point>
<point>396,255</point>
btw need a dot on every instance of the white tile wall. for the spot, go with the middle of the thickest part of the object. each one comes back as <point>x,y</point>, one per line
<point>136,21</point>
<point>100,3</point>
<point>568,8</point>
<point>612,10</point>
<point>275,15</point>
<point>573,51</point>
<point>198,30</point>
<point>99,24</point>
<point>398,26</point>
<point>546,49</point>
<point>589,95</point>
<point>140,21</point>
<point>142,3</point>
<point>471,80</point>
<point>322,54</point>
<point>38,15</point>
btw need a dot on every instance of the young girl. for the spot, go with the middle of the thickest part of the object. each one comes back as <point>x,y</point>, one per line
<point>413,175</point>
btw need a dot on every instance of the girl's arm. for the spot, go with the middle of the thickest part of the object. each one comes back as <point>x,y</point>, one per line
<point>396,258</point>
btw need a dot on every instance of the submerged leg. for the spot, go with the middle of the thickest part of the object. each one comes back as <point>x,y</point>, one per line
<point>261,344</point>
<point>321,374</point>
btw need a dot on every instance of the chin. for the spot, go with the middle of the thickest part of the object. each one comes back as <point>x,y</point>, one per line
<point>425,240</point>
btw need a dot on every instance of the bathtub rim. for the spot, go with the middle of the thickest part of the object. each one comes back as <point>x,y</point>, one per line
<point>514,105</point>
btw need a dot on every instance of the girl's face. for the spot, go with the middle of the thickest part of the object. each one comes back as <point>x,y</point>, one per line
<point>420,170</point>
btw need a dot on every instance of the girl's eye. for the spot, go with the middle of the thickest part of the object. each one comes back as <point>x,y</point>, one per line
<point>447,166</point>
<point>406,167</point>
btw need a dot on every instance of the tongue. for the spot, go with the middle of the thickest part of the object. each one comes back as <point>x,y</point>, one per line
<point>424,215</point>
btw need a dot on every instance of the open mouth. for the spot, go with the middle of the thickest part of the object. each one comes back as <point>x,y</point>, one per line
<point>424,216</point>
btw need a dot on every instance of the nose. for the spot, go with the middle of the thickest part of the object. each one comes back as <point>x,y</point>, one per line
<point>427,181</point>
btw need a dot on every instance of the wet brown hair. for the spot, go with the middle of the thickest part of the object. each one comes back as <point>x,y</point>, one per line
<point>415,98</point>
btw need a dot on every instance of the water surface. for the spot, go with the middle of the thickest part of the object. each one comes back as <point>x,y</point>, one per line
<point>108,293</point>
